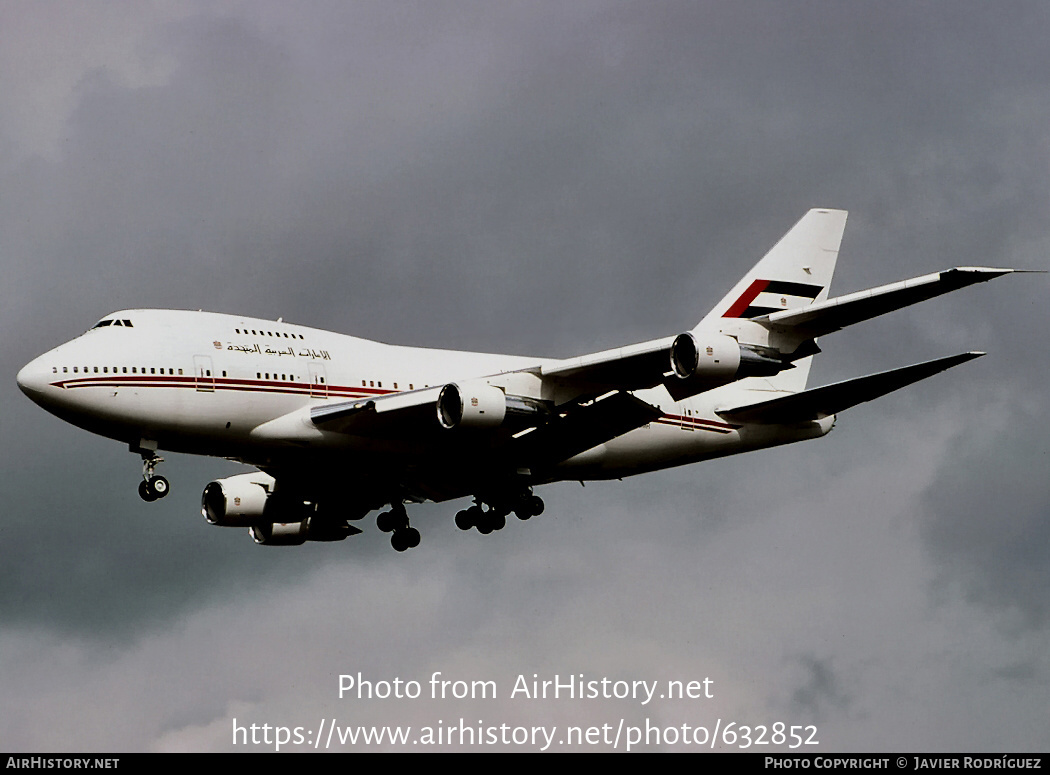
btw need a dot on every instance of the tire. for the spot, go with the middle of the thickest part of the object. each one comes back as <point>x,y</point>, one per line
<point>146,492</point>
<point>386,522</point>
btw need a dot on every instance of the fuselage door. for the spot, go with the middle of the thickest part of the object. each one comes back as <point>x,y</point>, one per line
<point>318,380</point>
<point>204,376</point>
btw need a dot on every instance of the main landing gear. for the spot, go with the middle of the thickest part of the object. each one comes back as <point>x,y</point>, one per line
<point>403,535</point>
<point>525,506</point>
<point>152,486</point>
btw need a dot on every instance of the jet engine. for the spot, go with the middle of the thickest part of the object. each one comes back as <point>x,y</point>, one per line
<point>245,500</point>
<point>719,358</point>
<point>479,405</point>
<point>237,501</point>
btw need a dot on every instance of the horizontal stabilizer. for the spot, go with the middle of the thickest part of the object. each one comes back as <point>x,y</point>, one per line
<point>831,315</point>
<point>825,401</point>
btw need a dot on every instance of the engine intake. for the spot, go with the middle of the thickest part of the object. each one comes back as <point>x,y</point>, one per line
<point>237,501</point>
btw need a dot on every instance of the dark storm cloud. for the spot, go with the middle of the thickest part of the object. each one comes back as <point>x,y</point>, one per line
<point>549,179</point>
<point>820,693</point>
<point>993,539</point>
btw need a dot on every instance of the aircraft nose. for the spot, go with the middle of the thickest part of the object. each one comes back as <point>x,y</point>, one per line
<point>32,378</point>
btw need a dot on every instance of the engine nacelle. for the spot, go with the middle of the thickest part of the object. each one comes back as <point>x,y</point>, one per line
<point>297,533</point>
<point>706,355</point>
<point>471,405</point>
<point>237,501</point>
<point>279,533</point>
<point>720,359</point>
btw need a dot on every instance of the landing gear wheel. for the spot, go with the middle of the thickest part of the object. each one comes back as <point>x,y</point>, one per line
<point>145,492</point>
<point>387,522</point>
<point>411,537</point>
<point>405,538</point>
<point>528,507</point>
<point>153,488</point>
<point>159,485</point>
<point>464,520</point>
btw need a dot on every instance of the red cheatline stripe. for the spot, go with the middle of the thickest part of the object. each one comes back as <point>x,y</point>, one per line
<point>737,307</point>
<point>336,391</point>
<point>222,383</point>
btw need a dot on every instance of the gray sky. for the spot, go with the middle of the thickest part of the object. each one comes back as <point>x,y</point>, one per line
<point>553,179</point>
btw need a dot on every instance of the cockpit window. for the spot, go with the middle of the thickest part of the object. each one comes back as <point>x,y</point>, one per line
<point>102,323</point>
<point>113,322</point>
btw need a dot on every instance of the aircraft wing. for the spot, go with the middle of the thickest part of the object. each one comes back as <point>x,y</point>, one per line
<point>580,427</point>
<point>563,432</point>
<point>825,401</point>
<point>834,314</point>
<point>635,367</point>
<point>392,413</point>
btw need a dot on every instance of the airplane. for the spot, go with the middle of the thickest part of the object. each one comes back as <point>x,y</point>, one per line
<point>337,427</point>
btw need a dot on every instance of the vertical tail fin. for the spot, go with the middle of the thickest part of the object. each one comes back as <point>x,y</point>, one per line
<point>796,272</point>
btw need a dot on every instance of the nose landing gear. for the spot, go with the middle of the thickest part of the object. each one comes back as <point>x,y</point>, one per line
<point>152,486</point>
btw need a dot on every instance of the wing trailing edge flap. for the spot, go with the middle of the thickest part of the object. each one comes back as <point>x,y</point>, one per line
<point>582,426</point>
<point>825,401</point>
<point>832,315</point>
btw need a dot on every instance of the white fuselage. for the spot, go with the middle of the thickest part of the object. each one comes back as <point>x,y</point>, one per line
<point>202,382</point>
